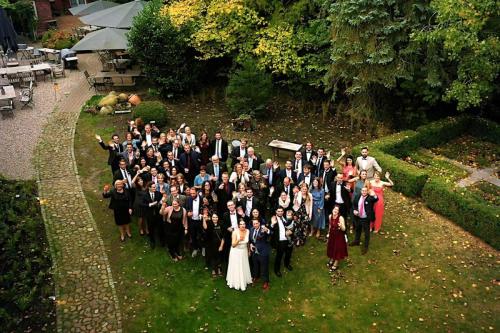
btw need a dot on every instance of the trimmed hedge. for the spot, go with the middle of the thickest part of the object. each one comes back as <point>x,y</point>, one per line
<point>474,216</point>
<point>152,111</point>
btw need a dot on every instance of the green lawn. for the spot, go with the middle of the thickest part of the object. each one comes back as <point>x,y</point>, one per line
<point>422,274</point>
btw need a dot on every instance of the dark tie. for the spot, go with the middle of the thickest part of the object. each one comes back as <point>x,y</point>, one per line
<point>152,196</point>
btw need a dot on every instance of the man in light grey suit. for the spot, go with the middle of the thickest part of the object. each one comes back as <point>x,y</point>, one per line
<point>368,163</point>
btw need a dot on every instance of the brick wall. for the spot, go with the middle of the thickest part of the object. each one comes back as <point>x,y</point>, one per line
<point>44,13</point>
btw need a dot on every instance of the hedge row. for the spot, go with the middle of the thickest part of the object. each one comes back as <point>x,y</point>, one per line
<point>462,207</point>
<point>471,214</point>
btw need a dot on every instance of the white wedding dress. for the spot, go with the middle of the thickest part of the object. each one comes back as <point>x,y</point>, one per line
<point>238,269</point>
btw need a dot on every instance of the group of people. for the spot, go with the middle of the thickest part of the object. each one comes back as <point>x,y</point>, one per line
<point>230,205</point>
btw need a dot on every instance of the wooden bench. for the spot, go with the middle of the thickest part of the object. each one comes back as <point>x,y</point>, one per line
<point>277,145</point>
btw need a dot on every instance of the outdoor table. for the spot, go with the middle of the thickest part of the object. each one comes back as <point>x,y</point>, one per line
<point>14,70</point>
<point>10,95</point>
<point>26,53</point>
<point>277,145</point>
<point>46,52</point>
<point>118,79</point>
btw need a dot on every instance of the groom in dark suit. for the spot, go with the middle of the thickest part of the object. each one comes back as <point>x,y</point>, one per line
<point>260,248</point>
<point>362,209</point>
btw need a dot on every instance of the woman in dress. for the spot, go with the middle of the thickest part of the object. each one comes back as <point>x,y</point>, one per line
<point>238,176</point>
<point>204,147</point>
<point>378,186</point>
<point>337,244</point>
<point>209,195</point>
<point>318,212</point>
<point>238,269</point>
<point>359,182</point>
<point>121,204</point>
<point>187,137</point>
<point>349,170</point>
<point>304,202</point>
<point>214,242</point>
<point>175,219</point>
<point>140,192</point>
<point>284,201</point>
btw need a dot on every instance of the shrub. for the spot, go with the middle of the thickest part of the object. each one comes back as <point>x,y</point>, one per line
<point>55,39</point>
<point>25,261</point>
<point>152,111</point>
<point>460,206</point>
<point>249,90</point>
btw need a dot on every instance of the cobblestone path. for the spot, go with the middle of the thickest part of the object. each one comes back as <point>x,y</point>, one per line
<point>86,300</point>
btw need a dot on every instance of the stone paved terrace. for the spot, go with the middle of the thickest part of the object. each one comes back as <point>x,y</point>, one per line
<point>86,300</point>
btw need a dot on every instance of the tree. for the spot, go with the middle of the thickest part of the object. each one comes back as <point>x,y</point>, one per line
<point>465,33</point>
<point>249,90</point>
<point>371,51</point>
<point>163,50</point>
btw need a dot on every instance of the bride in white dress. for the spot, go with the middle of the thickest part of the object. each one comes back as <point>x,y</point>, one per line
<point>238,269</point>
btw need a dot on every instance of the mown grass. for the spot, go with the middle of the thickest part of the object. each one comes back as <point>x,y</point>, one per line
<point>422,274</point>
<point>470,151</point>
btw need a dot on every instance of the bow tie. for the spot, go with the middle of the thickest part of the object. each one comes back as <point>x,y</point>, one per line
<point>364,158</point>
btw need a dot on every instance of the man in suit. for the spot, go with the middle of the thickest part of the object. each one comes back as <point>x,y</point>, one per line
<point>194,208</point>
<point>176,149</point>
<point>190,163</point>
<point>362,209</point>
<point>318,162</point>
<point>368,163</point>
<point>130,156</point>
<point>306,177</point>
<point>114,148</point>
<point>150,132</point>
<point>298,164</point>
<point>282,231</point>
<point>328,176</point>
<point>340,196</point>
<point>239,154</point>
<point>230,220</point>
<point>215,169</point>
<point>151,205</point>
<point>123,174</point>
<point>172,161</point>
<point>219,148</point>
<point>260,251</point>
<point>288,172</point>
<point>253,160</point>
<point>174,194</point>
<point>224,193</point>
<point>308,153</point>
<point>286,187</point>
<point>249,203</point>
<point>270,172</point>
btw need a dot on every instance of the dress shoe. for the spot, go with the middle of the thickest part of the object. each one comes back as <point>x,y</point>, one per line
<point>278,274</point>
<point>354,244</point>
<point>364,250</point>
<point>265,286</point>
<point>289,267</point>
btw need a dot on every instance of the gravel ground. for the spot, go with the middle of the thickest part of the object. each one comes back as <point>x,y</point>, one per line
<point>19,133</point>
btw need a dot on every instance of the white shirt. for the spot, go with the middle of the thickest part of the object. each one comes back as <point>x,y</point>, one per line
<point>126,176</point>
<point>250,162</point>
<point>216,170</point>
<point>361,202</point>
<point>326,185</point>
<point>196,208</point>
<point>282,228</point>
<point>363,163</point>
<point>338,190</point>
<point>242,152</point>
<point>248,209</point>
<point>289,173</point>
<point>307,179</point>
<point>308,155</point>
<point>148,139</point>
<point>298,167</point>
<point>218,144</point>
<point>234,220</point>
<point>154,179</point>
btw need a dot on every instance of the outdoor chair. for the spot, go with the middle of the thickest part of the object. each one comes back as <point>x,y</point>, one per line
<point>58,71</point>
<point>7,106</point>
<point>26,79</point>
<point>13,79</point>
<point>26,97</point>
<point>93,83</point>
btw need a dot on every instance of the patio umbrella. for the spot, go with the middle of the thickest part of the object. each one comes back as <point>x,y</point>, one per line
<point>115,17</point>
<point>8,36</point>
<point>104,39</point>
<point>92,7</point>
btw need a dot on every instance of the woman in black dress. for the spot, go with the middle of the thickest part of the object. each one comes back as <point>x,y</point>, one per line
<point>214,242</point>
<point>175,219</point>
<point>140,192</point>
<point>121,204</point>
<point>204,146</point>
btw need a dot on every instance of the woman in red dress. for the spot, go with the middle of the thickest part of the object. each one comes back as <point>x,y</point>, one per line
<point>378,187</point>
<point>337,244</point>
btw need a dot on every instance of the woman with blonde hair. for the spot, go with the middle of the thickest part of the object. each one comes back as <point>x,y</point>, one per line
<point>238,175</point>
<point>304,200</point>
<point>121,204</point>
